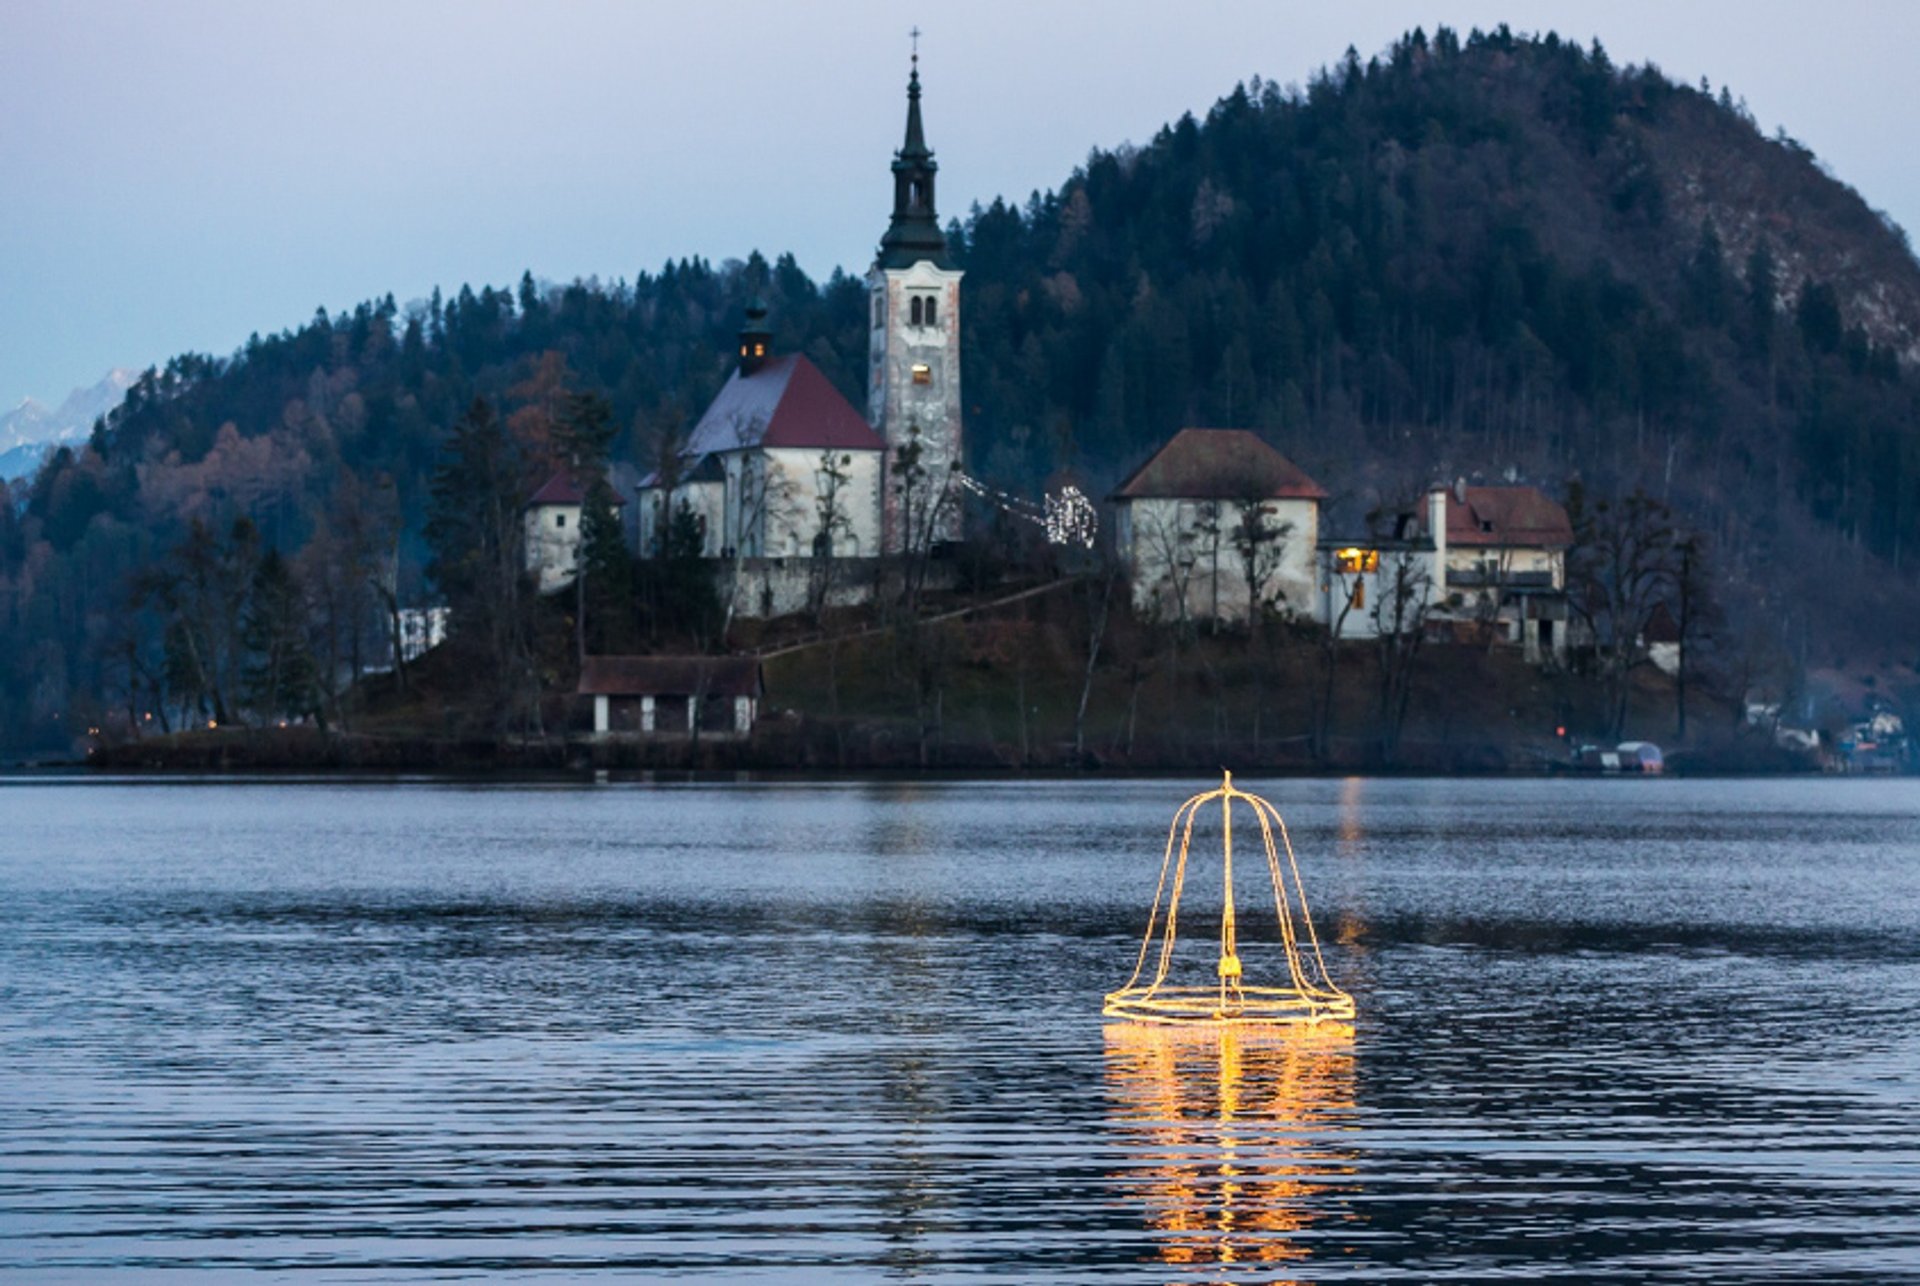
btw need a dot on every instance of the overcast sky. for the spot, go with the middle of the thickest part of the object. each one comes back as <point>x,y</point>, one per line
<point>178,175</point>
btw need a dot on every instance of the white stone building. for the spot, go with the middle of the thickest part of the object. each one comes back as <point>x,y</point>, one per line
<point>782,474</point>
<point>1217,520</point>
<point>551,530</point>
<point>1383,582</point>
<point>780,466</point>
<point>913,369</point>
<point>1472,561</point>
<point>699,488</point>
<point>1503,564</point>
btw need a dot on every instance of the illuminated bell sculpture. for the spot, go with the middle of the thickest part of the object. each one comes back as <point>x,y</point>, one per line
<point>1310,996</point>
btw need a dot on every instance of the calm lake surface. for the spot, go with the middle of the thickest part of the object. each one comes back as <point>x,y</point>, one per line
<point>1607,1031</point>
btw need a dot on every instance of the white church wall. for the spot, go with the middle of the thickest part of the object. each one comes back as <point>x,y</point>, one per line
<point>800,481</point>
<point>707,502</point>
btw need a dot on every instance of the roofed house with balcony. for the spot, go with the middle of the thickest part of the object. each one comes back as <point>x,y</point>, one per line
<point>1501,564</point>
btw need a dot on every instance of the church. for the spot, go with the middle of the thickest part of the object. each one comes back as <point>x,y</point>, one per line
<point>784,475</point>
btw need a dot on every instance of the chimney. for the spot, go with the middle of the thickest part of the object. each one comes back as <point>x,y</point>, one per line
<point>1437,520</point>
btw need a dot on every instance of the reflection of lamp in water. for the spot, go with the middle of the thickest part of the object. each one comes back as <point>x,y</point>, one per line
<point>1351,832</point>
<point>1309,997</point>
<point>1232,1136</point>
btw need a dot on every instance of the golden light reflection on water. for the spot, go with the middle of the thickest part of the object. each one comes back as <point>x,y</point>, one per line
<point>1233,1140</point>
<point>1352,831</point>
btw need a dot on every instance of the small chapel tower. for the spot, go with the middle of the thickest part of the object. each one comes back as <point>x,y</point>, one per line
<point>913,373</point>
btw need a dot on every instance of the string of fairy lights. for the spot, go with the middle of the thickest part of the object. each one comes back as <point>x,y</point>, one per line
<point>1066,516</point>
<point>1308,996</point>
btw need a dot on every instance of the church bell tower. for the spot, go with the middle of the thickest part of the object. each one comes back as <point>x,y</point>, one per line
<point>913,371</point>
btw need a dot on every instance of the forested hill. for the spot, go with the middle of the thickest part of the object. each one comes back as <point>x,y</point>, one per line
<point>1492,256</point>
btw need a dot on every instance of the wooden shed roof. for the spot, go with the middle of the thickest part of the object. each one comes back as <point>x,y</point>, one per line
<point>670,676</point>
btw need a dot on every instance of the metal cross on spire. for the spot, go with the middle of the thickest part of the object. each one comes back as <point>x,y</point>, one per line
<point>915,33</point>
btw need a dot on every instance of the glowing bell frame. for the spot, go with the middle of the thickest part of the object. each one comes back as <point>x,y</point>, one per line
<point>1310,999</point>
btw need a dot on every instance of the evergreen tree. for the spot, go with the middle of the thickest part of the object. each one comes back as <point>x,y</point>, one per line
<point>678,582</point>
<point>1705,284</point>
<point>603,566</point>
<point>281,678</point>
<point>478,561</point>
<point>1763,293</point>
<point>1444,258</point>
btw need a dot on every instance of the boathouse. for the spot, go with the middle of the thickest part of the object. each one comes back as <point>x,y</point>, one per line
<point>673,695</point>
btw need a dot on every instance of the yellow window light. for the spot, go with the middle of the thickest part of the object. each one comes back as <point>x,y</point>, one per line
<point>1349,561</point>
<point>922,373</point>
<point>1309,996</point>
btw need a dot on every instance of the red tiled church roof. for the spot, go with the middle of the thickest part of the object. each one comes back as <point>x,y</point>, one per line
<point>1218,464</point>
<point>786,403</point>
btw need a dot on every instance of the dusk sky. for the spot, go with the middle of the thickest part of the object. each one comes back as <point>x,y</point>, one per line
<point>179,175</point>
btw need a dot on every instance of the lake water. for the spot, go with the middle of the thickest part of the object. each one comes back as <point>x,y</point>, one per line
<point>1607,1031</point>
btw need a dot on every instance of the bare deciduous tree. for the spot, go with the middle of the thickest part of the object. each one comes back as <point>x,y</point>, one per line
<point>1099,608</point>
<point>1400,611</point>
<point>756,490</point>
<point>831,474</point>
<point>1259,542</point>
<point>1624,561</point>
<point>1170,557</point>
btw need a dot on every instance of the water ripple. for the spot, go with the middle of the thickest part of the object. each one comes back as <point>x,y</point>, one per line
<point>847,1033</point>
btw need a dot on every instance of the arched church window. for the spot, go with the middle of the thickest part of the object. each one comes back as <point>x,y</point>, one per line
<point>930,303</point>
<point>913,311</point>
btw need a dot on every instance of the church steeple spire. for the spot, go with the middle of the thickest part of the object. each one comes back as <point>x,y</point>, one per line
<point>916,145</point>
<point>913,351</point>
<point>914,233</point>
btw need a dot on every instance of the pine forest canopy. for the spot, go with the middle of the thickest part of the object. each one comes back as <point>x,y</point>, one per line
<point>1495,256</point>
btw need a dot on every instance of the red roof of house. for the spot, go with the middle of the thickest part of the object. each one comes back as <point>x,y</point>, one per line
<point>1508,517</point>
<point>670,676</point>
<point>563,488</point>
<point>1661,627</point>
<point>786,403</point>
<point>1218,464</point>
